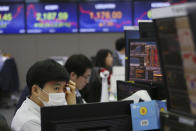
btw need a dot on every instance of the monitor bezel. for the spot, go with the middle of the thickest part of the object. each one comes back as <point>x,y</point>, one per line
<point>93,111</point>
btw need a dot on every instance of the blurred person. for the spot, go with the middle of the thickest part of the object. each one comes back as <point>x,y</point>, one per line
<point>103,61</point>
<point>119,53</point>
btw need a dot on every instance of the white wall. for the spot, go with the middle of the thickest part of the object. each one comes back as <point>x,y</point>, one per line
<point>27,49</point>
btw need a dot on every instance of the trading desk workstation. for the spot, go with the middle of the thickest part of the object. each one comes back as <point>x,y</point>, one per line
<point>159,89</point>
<point>159,61</point>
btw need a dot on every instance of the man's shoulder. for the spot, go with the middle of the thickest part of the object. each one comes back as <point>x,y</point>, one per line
<point>31,125</point>
<point>28,125</point>
<point>24,116</point>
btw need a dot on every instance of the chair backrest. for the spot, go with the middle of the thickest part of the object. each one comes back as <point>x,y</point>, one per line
<point>3,124</point>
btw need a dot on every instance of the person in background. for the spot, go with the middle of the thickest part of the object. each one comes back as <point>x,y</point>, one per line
<point>49,85</point>
<point>103,61</point>
<point>79,68</point>
<point>119,54</point>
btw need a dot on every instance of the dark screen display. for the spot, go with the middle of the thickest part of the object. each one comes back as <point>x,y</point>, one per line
<point>96,129</point>
<point>178,56</point>
<point>144,61</point>
<point>51,18</point>
<point>125,90</point>
<point>12,19</point>
<point>104,17</point>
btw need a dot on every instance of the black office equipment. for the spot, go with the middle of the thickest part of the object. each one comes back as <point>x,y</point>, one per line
<point>112,116</point>
<point>175,122</point>
<point>131,32</point>
<point>127,88</point>
<point>147,29</point>
<point>176,44</point>
<point>143,67</point>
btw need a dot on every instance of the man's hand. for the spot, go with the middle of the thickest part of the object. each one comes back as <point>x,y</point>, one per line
<point>70,94</point>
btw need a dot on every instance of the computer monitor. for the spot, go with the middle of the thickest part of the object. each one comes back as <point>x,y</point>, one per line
<point>12,18</point>
<point>176,42</point>
<point>142,9</point>
<point>131,32</point>
<point>111,116</point>
<point>52,17</point>
<point>143,61</point>
<point>127,88</point>
<point>147,29</point>
<point>104,16</point>
<point>12,0</point>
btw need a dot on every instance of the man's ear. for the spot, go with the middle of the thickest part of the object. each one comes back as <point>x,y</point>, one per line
<point>35,90</point>
<point>73,76</point>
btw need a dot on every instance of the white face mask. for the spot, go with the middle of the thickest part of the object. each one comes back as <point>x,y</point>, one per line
<point>55,99</point>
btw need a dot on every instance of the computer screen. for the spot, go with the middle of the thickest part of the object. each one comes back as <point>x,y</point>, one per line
<point>173,122</point>
<point>176,2</point>
<point>142,9</point>
<point>104,16</point>
<point>143,61</point>
<point>130,33</point>
<point>177,51</point>
<point>87,117</point>
<point>51,18</point>
<point>126,89</point>
<point>12,0</point>
<point>12,19</point>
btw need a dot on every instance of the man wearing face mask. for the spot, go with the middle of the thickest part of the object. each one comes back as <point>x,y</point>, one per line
<point>79,69</point>
<point>49,85</point>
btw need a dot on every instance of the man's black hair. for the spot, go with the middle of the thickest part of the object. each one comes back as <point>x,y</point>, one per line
<point>78,64</point>
<point>120,44</point>
<point>101,57</point>
<point>44,71</point>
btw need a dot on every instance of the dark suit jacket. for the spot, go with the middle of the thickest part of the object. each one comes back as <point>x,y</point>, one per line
<point>92,91</point>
